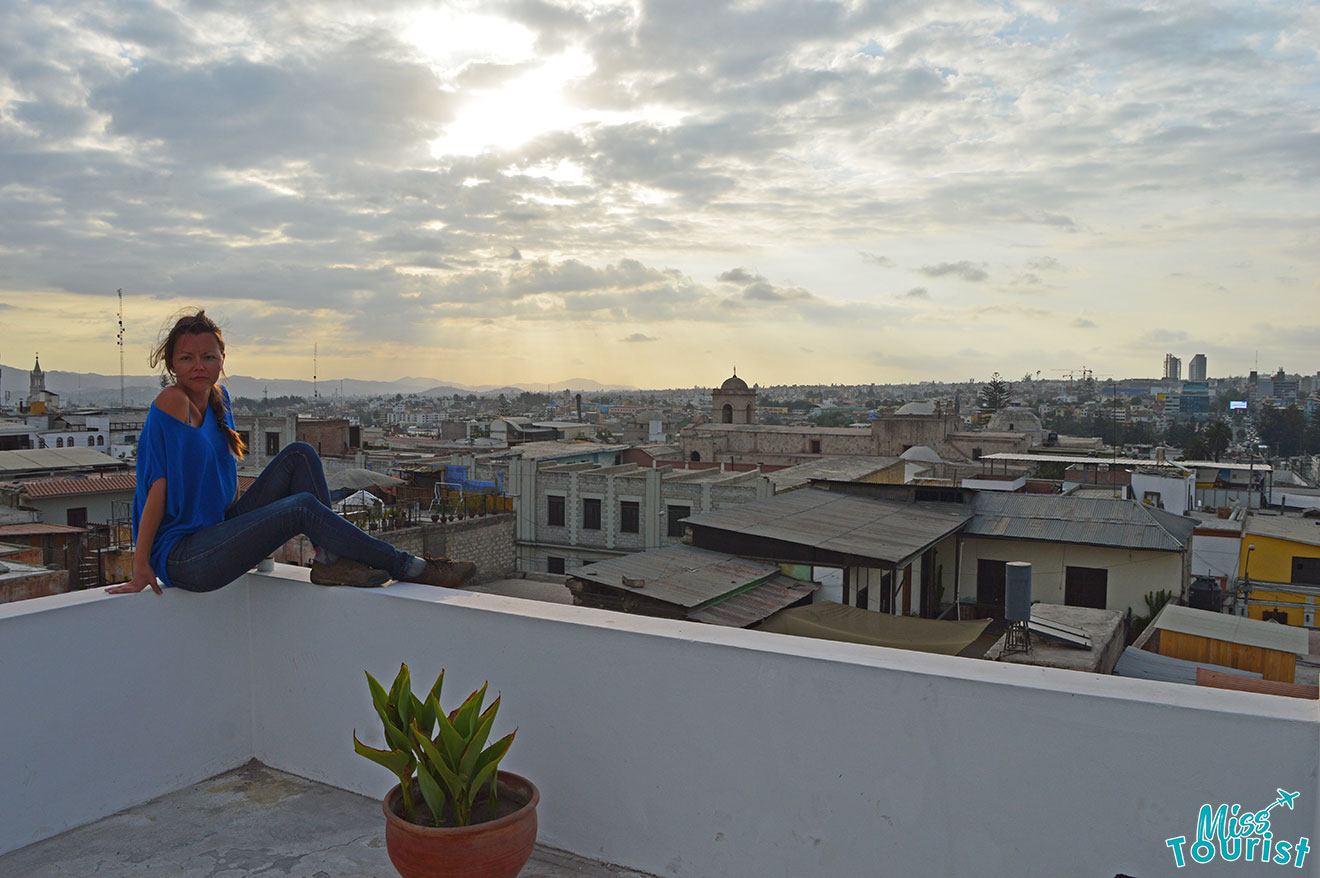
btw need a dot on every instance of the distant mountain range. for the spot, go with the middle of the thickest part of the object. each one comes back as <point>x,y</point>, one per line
<point>93,389</point>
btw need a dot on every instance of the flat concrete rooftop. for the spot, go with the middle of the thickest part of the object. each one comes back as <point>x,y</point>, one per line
<point>252,820</point>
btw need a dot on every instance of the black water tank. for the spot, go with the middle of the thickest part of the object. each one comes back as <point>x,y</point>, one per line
<point>1205,594</point>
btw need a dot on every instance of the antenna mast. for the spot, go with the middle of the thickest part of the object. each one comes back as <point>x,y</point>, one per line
<point>122,404</point>
<point>316,394</point>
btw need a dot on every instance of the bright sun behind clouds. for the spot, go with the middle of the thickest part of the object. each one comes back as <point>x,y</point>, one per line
<point>514,112</point>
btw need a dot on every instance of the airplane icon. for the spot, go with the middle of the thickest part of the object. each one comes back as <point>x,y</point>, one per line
<point>1285,799</point>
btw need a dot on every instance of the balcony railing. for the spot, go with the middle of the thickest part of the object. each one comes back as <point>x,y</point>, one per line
<point>670,747</point>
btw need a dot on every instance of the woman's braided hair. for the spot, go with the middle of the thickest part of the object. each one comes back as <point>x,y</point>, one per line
<point>191,322</point>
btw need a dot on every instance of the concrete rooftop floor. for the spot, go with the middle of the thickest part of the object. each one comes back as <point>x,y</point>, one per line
<point>253,820</point>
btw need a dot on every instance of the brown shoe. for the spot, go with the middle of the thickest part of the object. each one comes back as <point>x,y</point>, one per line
<point>346,571</point>
<point>445,573</point>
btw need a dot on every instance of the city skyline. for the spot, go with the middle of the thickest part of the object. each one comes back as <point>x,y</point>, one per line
<point>646,194</point>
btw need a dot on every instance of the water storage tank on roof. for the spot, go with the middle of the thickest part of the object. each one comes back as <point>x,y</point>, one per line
<point>1017,591</point>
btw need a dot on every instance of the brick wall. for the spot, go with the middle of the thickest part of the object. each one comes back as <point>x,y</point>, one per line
<point>38,584</point>
<point>486,541</point>
<point>329,436</point>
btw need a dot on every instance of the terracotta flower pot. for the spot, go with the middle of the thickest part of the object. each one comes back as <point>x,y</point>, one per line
<point>498,848</point>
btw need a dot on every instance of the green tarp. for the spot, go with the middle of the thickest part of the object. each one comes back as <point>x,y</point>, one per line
<point>830,621</point>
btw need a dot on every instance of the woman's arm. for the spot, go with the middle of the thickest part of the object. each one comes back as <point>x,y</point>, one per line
<point>152,512</point>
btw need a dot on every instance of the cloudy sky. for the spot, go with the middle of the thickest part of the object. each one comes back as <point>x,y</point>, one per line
<point>653,192</point>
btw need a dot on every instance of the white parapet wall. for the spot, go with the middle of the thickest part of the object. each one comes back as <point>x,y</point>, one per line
<point>109,701</point>
<point>676,748</point>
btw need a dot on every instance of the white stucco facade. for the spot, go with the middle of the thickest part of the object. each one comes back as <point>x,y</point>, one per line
<point>675,748</point>
<point>1132,573</point>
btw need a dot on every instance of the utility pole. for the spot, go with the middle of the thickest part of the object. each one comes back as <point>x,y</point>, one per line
<point>122,403</point>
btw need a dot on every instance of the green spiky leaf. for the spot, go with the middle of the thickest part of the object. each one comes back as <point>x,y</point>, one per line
<point>468,764</point>
<point>466,715</point>
<point>380,700</point>
<point>449,740</point>
<point>398,762</point>
<point>432,794</point>
<point>435,762</point>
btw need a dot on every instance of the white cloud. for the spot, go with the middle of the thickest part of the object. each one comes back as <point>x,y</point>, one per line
<point>529,162</point>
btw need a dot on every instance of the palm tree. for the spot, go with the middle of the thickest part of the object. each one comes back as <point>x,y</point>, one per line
<point>1217,438</point>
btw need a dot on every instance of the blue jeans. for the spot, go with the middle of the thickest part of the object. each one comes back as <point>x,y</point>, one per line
<point>289,498</point>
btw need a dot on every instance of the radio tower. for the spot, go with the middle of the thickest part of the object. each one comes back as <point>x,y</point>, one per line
<point>316,394</point>
<point>122,404</point>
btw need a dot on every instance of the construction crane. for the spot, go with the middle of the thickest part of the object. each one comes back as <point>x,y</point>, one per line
<point>1083,374</point>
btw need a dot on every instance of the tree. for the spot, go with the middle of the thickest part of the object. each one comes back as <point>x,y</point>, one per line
<point>995,394</point>
<point>1284,430</point>
<point>1195,448</point>
<point>1217,438</point>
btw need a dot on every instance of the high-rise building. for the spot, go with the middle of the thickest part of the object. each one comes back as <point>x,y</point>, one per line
<point>1196,368</point>
<point>1172,368</point>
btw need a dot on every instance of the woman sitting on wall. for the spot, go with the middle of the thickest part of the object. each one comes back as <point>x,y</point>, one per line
<point>192,531</point>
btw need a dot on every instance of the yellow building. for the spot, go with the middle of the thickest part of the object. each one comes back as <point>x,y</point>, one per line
<point>1280,559</point>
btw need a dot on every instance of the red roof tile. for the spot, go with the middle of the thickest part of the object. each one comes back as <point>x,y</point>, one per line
<point>105,484</point>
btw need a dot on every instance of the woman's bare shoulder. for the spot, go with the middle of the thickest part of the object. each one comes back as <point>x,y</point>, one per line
<point>173,402</point>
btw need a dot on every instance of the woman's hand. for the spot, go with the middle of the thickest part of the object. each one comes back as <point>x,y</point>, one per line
<point>141,579</point>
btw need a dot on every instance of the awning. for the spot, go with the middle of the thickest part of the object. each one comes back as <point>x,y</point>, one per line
<point>830,621</point>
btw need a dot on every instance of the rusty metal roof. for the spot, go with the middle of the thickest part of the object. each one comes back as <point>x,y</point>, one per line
<point>1093,521</point>
<point>682,575</point>
<point>14,463</point>
<point>38,528</point>
<point>888,531</point>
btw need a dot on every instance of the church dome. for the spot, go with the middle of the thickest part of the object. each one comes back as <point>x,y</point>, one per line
<point>1014,419</point>
<point>733,383</point>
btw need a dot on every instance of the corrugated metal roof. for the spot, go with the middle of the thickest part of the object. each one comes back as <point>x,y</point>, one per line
<point>1088,520</point>
<point>28,460</point>
<point>1232,629</point>
<point>881,530</point>
<point>1221,680</point>
<point>682,575</point>
<point>841,468</point>
<point>755,604</point>
<point>1143,665</point>
<point>1285,527</point>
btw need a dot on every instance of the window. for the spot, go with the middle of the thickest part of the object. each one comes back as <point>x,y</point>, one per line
<point>272,444</point>
<point>554,564</point>
<point>1086,587</point>
<point>591,514</point>
<point>91,440</point>
<point>630,517</point>
<point>676,516</point>
<point>976,454</point>
<point>863,598</point>
<point>555,510</point>
<point>726,414</point>
<point>1306,570</point>
<point>59,441</point>
<point>245,435</point>
<point>100,440</point>
<point>130,438</point>
<point>76,517</point>
<point>696,457</point>
<point>815,446</point>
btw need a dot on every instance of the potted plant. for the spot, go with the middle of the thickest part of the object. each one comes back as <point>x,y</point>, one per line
<point>453,812</point>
